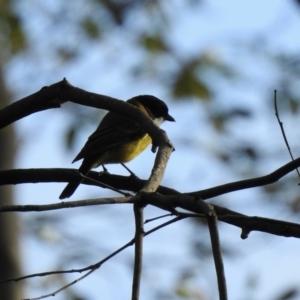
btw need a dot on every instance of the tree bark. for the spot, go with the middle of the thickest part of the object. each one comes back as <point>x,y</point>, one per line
<point>9,232</point>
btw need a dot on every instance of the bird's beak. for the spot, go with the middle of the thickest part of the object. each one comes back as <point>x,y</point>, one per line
<point>169,118</point>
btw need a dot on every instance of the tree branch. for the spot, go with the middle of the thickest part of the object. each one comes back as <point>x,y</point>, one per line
<point>216,248</point>
<point>90,268</point>
<point>282,129</point>
<point>67,204</point>
<point>138,253</point>
<point>19,176</point>
<point>247,224</point>
<point>54,95</point>
<point>248,183</point>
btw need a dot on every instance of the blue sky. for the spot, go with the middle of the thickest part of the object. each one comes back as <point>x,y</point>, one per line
<point>273,261</point>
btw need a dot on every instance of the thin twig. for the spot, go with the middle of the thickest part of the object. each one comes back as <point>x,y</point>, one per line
<point>62,288</point>
<point>282,129</point>
<point>67,204</point>
<point>186,202</point>
<point>93,267</point>
<point>138,253</point>
<point>157,218</point>
<point>248,183</point>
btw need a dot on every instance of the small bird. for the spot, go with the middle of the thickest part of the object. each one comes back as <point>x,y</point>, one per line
<point>118,139</point>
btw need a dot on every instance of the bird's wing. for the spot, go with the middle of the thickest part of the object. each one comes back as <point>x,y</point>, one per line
<point>113,131</point>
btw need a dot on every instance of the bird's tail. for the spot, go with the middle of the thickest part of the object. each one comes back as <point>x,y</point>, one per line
<point>73,184</point>
<point>70,189</point>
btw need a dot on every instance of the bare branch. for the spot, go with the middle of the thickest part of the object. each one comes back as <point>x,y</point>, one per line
<point>282,129</point>
<point>62,288</point>
<point>138,253</point>
<point>247,224</point>
<point>134,184</point>
<point>54,95</point>
<point>68,204</point>
<point>184,201</point>
<point>248,183</point>
<point>130,183</point>
<point>216,248</point>
<point>159,167</point>
<point>90,268</point>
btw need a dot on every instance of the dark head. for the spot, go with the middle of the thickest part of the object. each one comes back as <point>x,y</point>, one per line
<point>156,108</point>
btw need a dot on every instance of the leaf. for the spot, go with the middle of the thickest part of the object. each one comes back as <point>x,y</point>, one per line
<point>153,43</point>
<point>188,84</point>
<point>91,28</point>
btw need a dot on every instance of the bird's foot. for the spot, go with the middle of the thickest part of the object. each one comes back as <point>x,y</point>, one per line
<point>105,171</point>
<point>130,172</point>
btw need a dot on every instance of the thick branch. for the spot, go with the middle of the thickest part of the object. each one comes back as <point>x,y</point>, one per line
<point>54,95</point>
<point>129,183</point>
<point>133,184</point>
<point>247,224</point>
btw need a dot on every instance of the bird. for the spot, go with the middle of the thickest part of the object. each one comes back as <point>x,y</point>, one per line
<point>118,139</point>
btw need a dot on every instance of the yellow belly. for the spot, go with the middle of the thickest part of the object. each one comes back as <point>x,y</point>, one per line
<point>124,153</point>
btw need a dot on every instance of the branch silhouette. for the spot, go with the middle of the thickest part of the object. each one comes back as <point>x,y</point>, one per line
<point>19,176</point>
<point>90,269</point>
<point>56,94</point>
<point>138,252</point>
<point>149,192</point>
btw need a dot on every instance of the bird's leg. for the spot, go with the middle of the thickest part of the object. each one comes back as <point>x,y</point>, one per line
<point>131,173</point>
<point>104,169</point>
